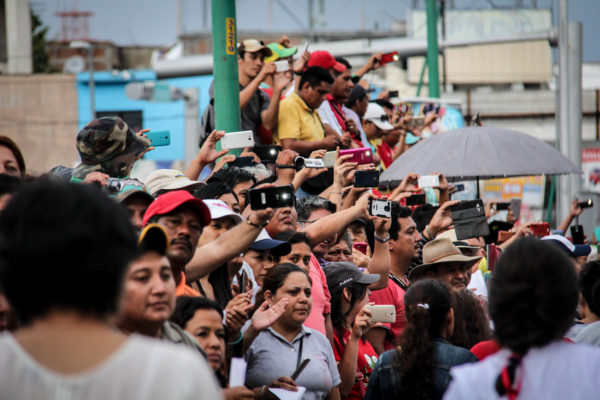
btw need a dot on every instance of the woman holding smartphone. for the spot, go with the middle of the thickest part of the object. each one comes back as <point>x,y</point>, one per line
<point>350,317</point>
<point>279,350</point>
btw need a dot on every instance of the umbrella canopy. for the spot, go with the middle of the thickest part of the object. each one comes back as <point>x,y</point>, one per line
<point>479,153</point>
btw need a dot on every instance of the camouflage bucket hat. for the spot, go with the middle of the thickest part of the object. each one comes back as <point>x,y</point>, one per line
<point>105,138</point>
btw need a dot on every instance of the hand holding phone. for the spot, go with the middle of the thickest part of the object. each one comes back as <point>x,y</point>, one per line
<point>382,313</point>
<point>429,181</point>
<point>380,208</point>
<point>159,138</point>
<point>360,246</point>
<point>366,178</point>
<point>237,140</point>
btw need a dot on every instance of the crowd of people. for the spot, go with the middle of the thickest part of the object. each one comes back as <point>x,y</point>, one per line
<point>173,287</point>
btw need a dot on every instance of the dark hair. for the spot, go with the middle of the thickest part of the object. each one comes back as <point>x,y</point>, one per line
<point>306,205</point>
<point>186,307</point>
<point>589,285</point>
<point>422,215</point>
<point>276,276</point>
<point>532,298</point>
<point>343,61</point>
<point>427,303</point>
<point>219,279</point>
<point>10,144</point>
<point>397,212</point>
<point>9,184</point>
<point>384,103</point>
<point>292,237</point>
<point>314,76</point>
<point>338,318</point>
<point>232,176</point>
<point>214,190</point>
<point>67,243</point>
<point>470,322</point>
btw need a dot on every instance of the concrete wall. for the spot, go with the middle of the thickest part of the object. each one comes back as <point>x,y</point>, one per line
<point>39,112</point>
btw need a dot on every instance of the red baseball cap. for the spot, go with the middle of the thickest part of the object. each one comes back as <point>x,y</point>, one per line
<point>323,58</point>
<point>169,201</point>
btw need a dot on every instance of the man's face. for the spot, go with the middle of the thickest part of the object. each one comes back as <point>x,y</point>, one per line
<point>404,249</point>
<point>300,255</point>
<point>215,229</point>
<point>251,64</point>
<point>339,252</point>
<point>454,275</point>
<point>184,227</point>
<point>314,216</point>
<point>136,207</point>
<point>361,106</point>
<point>342,86</point>
<point>241,190</point>
<point>313,97</point>
<point>284,219</point>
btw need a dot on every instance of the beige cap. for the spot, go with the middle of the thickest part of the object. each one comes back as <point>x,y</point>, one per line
<point>170,179</point>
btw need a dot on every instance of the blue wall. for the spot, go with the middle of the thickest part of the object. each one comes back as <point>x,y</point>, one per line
<point>110,96</point>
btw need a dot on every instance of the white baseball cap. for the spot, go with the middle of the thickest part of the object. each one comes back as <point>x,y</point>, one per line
<point>170,179</point>
<point>218,209</point>
<point>376,114</point>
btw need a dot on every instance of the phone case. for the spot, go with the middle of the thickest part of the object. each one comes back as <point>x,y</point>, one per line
<point>416,200</point>
<point>237,140</point>
<point>274,197</point>
<point>242,162</point>
<point>329,159</point>
<point>364,155</point>
<point>360,246</point>
<point>159,138</point>
<point>266,153</point>
<point>380,208</point>
<point>469,219</point>
<point>429,181</point>
<point>368,178</point>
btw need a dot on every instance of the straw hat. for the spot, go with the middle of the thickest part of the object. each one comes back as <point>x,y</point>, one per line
<point>441,251</point>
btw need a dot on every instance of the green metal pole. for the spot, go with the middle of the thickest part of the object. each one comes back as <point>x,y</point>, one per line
<point>420,84</point>
<point>225,68</point>
<point>432,49</point>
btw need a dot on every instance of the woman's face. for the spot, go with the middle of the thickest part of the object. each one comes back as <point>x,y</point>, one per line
<point>300,255</point>
<point>297,289</point>
<point>231,201</point>
<point>215,229</point>
<point>149,294</point>
<point>8,162</point>
<point>207,327</point>
<point>260,262</point>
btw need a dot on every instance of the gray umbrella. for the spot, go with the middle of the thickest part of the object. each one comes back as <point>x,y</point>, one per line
<point>479,153</point>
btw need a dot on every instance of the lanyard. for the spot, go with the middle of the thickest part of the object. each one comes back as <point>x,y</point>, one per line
<point>299,360</point>
<point>398,282</point>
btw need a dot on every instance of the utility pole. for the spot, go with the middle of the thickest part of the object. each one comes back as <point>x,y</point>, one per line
<point>575,95</point>
<point>225,70</point>
<point>432,49</point>
<point>564,181</point>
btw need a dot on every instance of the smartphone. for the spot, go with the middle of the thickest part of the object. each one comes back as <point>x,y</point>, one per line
<point>300,368</point>
<point>364,155</point>
<point>429,181</point>
<point>503,236</point>
<point>304,49</point>
<point>382,313</point>
<point>237,140</point>
<point>274,197</point>
<point>282,66</point>
<point>389,57</point>
<point>392,94</point>
<point>368,178</point>
<point>416,200</point>
<point>360,246</point>
<point>459,187</point>
<point>515,207</point>
<point>502,206</point>
<point>243,282</point>
<point>241,162</point>
<point>159,138</point>
<point>469,219</point>
<point>329,159</point>
<point>586,204</point>
<point>541,229</point>
<point>312,162</point>
<point>380,208</point>
<point>268,153</point>
<point>415,122</point>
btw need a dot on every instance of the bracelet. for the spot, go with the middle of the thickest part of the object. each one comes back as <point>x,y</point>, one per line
<point>284,166</point>
<point>237,341</point>
<point>431,237</point>
<point>382,240</point>
<point>256,225</point>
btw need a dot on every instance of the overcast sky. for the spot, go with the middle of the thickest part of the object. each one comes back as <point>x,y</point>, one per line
<point>154,22</point>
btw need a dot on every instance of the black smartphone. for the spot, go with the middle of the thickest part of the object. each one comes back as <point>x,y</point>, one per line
<point>459,187</point>
<point>274,197</point>
<point>380,208</point>
<point>243,282</point>
<point>416,200</point>
<point>577,234</point>
<point>586,204</point>
<point>392,94</point>
<point>301,367</point>
<point>241,162</point>
<point>366,178</point>
<point>502,206</point>
<point>268,153</point>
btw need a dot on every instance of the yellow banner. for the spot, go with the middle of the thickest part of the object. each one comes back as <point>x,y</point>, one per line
<point>230,37</point>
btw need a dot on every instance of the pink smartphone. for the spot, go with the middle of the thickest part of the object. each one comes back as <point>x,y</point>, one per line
<point>360,246</point>
<point>364,155</point>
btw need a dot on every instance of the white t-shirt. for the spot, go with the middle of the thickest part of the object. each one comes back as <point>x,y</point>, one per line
<point>142,368</point>
<point>560,370</point>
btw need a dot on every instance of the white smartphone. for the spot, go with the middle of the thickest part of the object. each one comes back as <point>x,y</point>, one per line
<point>313,163</point>
<point>429,181</point>
<point>282,66</point>
<point>329,159</point>
<point>380,208</point>
<point>237,140</point>
<point>382,313</point>
<point>305,49</point>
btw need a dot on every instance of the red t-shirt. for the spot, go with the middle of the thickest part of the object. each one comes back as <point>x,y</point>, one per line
<point>392,294</point>
<point>386,154</point>
<point>321,297</point>
<point>367,358</point>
